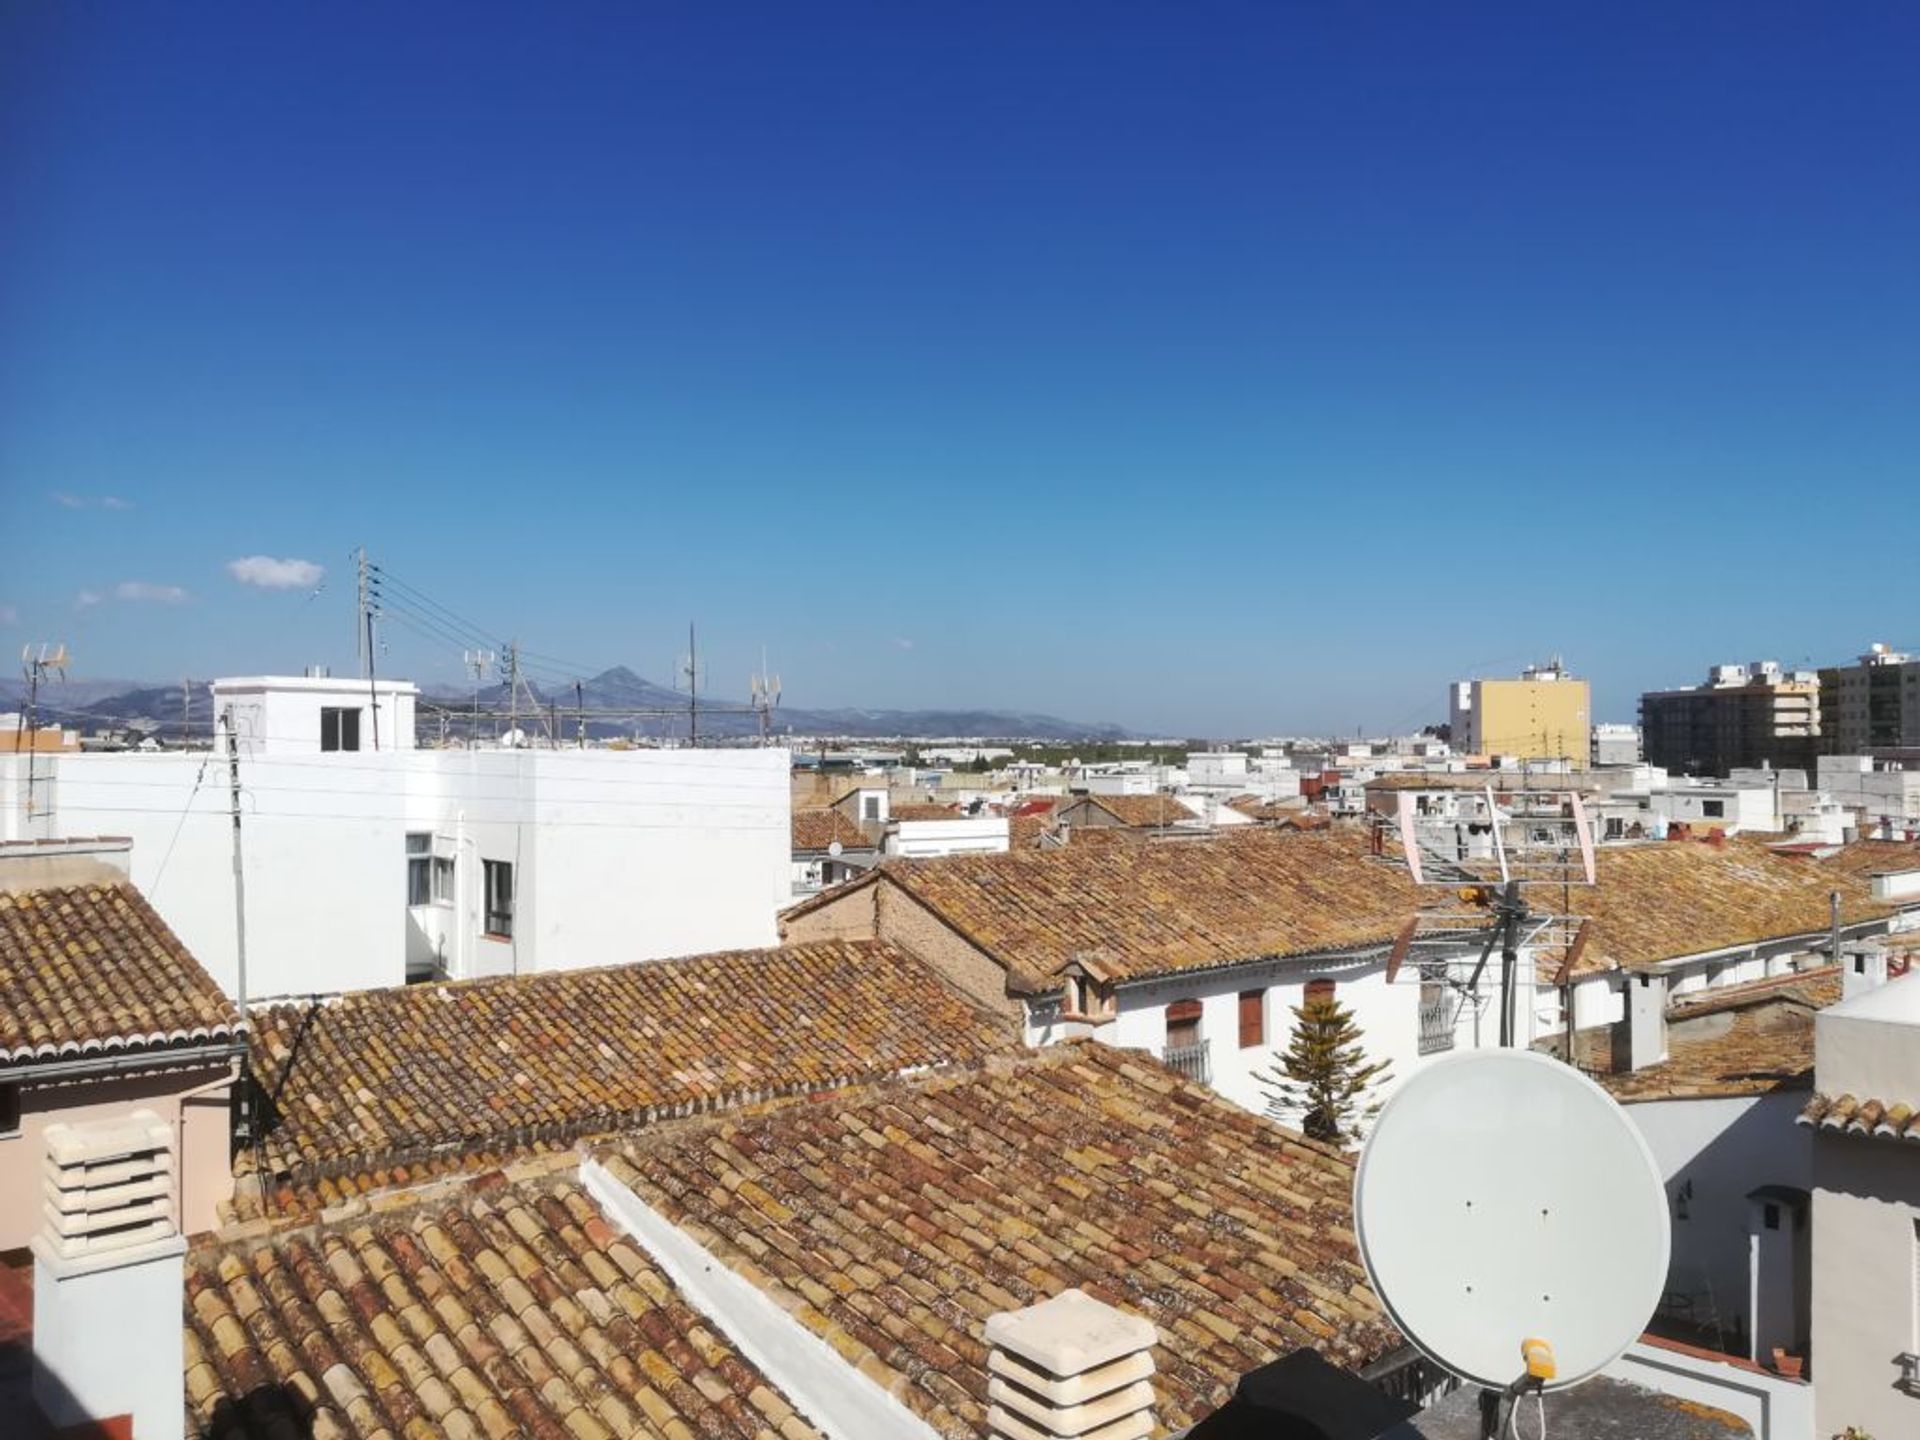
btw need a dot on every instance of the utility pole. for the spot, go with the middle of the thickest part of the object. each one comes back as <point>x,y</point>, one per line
<point>693,688</point>
<point>186,713</point>
<point>369,602</point>
<point>244,1126</point>
<point>580,715</point>
<point>513,686</point>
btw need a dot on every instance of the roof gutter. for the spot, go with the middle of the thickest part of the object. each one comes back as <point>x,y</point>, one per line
<point>121,1062</point>
<point>1351,955</point>
<point>1772,944</point>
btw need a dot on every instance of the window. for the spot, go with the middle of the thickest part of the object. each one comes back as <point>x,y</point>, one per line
<point>9,1109</point>
<point>429,875</point>
<point>1183,1024</point>
<point>499,919</point>
<point>339,728</point>
<point>1253,1018</point>
<point>869,807</point>
<point>1713,809</point>
<point>1318,990</point>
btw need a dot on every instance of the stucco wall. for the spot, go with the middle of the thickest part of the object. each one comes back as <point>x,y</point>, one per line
<point>1866,1205</point>
<point>852,916</point>
<point>1724,1149</point>
<point>204,1170</point>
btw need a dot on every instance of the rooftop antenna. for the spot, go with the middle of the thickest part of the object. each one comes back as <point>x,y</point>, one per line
<point>766,698</point>
<point>35,665</point>
<point>1513,1224</point>
<point>691,672</point>
<point>1482,854</point>
<point>478,662</point>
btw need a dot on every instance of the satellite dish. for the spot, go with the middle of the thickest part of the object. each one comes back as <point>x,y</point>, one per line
<point>1504,1198</point>
<point>835,848</point>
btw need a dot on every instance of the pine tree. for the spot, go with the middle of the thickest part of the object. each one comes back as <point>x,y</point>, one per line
<point>1324,1084</point>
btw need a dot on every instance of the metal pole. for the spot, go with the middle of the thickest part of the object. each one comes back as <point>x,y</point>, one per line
<point>245,1123</point>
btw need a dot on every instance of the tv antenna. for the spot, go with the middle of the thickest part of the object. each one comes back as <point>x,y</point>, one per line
<point>478,662</point>
<point>35,666</point>
<point>1496,859</point>
<point>689,670</point>
<point>1513,1224</point>
<point>766,699</point>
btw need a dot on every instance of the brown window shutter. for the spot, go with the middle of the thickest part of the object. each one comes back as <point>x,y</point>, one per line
<point>1319,990</point>
<point>1253,1030</point>
<point>1183,1010</point>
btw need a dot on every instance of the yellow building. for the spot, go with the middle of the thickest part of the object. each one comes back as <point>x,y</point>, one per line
<point>1544,715</point>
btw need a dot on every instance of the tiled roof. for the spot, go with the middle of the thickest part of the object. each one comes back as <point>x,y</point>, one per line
<point>818,829</point>
<point>1254,808</point>
<point>1024,831</point>
<point>505,1310</point>
<point>1144,810</point>
<point>1142,910</point>
<point>92,968</point>
<point>894,1220</point>
<point>1667,898</point>
<point>384,1085</point>
<point>1748,1040</point>
<point>1850,1115</point>
<point>925,810</point>
<point>1867,858</point>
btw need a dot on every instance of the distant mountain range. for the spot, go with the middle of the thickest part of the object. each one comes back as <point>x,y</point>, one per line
<point>79,702</point>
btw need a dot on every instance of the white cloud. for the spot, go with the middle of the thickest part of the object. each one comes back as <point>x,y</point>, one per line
<point>144,593</point>
<point>900,642</point>
<point>67,500</point>
<point>87,599</point>
<point>9,616</point>
<point>271,574</point>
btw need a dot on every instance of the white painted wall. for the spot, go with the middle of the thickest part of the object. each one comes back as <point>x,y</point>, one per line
<point>1774,1408</point>
<point>962,835</point>
<point>1724,1149</point>
<point>280,714</point>
<point>618,855</point>
<point>1388,1015</point>
<point>1866,1282</point>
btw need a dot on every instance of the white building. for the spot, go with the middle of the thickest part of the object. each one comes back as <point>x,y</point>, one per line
<point>1221,772</point>
<point>1884,794</point>
<point>366,866</point>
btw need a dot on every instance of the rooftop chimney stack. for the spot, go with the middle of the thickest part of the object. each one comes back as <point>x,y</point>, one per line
<point>1071,1366</point>
<point>108,1273</point>
<point>1863,967</point>
<point>1645,1026</point>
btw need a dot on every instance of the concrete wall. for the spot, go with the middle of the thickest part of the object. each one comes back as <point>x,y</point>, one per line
<point>1773,1407</point>
<point>1388,1015</point>
<point>1866,1275</point>
<point>1723,1149</point>
<point>617,855</point>
<point>201,1130</point>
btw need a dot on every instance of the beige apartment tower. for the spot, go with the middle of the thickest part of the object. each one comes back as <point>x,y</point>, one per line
<point>1544,715</point>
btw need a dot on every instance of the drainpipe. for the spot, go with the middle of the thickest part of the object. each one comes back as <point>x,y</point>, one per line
<point>1833,902</point>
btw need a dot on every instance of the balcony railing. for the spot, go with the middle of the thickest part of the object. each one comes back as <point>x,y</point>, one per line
<point>1436,1022</point>
<point>1191,1061</point>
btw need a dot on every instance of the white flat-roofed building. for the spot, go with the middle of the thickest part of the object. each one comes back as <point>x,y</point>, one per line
<point>365,867</point>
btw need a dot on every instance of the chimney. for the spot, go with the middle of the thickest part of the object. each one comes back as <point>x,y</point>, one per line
<point>1644,1028</point>
<point>1069,1366</point>
<point>108,1275</point>
<point>1863,968</point>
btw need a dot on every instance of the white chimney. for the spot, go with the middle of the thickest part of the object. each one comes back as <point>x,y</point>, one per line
<point>108,1275</point>
<point>1069,1366</point>
<point>1862,968</point>
<point>1646,1019</point>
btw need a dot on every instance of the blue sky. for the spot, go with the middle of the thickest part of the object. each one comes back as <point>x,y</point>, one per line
<point>1210,369</point>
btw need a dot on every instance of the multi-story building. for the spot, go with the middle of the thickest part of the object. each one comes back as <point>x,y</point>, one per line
<point>1616,745</point>
<point>1872,704</point>
<point>1546,714</point>
<point>1744,717</point>
<point>367,861</point>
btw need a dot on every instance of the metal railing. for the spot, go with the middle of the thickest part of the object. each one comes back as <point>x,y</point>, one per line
<point>1436,1022</point>
<point>1192,1061</point>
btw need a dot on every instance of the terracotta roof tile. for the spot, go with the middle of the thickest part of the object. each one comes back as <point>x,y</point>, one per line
<point>818,829</point>
<point>1747,1040</point>
<point>90,968</point>
<point>1142,810</point>
<point>1850,1115</point>
<point>426,1077</point>
<point>924,810</point>
<point>509,1310</point>
<point>894,1220</point>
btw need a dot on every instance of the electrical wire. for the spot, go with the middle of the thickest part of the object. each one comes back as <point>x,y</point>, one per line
<point>153,890</point>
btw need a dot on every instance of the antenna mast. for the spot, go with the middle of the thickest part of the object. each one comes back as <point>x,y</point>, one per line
<point>35,667</point>
<point>692,672</point>
<point>766,699</point>
<point>245,1123</point>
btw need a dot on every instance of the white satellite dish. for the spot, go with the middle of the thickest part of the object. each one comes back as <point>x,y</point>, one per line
<point>1505,1198</point>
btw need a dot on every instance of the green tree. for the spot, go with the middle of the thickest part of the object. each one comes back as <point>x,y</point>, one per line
<point>1324,1084</point>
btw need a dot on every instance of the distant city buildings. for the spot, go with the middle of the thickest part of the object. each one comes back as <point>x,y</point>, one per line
<point>1871,704</point>
<point>1743,716</point>
<point>1546,714</point>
